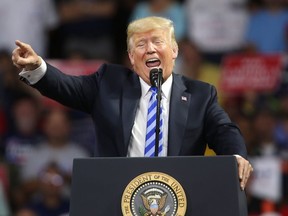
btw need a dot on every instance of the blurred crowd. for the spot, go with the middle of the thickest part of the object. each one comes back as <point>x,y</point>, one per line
<point>38,141</point>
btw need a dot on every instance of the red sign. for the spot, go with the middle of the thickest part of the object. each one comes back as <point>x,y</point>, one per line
<point>76,67</point>
<point>250,73</point>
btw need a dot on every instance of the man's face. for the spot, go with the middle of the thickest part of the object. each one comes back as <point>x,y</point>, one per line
<point>152,49</point>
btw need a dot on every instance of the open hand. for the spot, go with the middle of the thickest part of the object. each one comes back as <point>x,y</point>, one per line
<point>24,57</point>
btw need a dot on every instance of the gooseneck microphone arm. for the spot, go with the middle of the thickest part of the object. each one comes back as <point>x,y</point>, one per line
<point>156,80</point>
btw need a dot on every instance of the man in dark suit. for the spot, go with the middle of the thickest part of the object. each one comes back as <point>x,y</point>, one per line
<point>117,99</point>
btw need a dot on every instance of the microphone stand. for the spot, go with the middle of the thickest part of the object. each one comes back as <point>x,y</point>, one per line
<point>157,129</point>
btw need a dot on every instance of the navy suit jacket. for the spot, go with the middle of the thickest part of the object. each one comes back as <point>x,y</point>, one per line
<point>111,95</point>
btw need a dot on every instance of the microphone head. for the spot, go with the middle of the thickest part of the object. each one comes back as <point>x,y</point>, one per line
<point>154,74</point>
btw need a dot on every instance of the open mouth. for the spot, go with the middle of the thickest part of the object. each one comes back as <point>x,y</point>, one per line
<point>153,62</point>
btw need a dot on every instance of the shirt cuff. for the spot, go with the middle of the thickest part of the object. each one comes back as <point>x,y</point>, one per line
<point>34,76</point>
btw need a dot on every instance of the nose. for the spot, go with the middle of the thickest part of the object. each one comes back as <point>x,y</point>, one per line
<point>150,48</point>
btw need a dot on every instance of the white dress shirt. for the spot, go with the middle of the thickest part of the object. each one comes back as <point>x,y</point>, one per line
<point>137,141</point>
<point>35,75</point>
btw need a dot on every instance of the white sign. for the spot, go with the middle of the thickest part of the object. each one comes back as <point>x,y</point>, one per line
<point>217,25</point>
<point>266,181</point>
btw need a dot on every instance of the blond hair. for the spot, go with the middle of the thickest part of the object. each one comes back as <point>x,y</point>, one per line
<point>150,23</point>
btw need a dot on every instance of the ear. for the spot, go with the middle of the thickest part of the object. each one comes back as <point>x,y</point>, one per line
<point>131,57</point>
<point>175,52</point>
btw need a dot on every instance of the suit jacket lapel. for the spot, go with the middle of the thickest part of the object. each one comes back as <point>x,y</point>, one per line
<point>130,100</point>
<point>179,105</point>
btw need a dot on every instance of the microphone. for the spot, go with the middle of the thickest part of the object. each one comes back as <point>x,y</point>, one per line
<point>156,78</point>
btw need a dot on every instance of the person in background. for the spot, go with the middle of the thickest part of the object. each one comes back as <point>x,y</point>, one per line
<point>85,24</point>
<point>10,91</point>
<point>216,27</point>
<point>50,200</point>
<point>56,146</point>
<point>264,123</point>
<point>281,129</point>
<point>29,20</point>
<point>4,204</point>
<point>20,144</point>
<point>170,9</point>
<point>25,212</point>
<point>191,63</point>
<point>267,28</point>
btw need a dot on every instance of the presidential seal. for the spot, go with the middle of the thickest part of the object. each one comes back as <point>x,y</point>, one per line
<point>154,194</point>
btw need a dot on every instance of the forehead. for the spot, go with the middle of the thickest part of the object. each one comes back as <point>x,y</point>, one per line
<point>155,33</point>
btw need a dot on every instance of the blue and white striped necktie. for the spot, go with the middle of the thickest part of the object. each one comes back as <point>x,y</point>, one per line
<point>151,126</point>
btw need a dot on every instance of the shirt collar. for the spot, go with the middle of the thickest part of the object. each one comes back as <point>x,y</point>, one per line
<point>166,87</point>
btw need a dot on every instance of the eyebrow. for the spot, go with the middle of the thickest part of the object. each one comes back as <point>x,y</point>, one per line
<point>140,40</point>
<point>144,39</point>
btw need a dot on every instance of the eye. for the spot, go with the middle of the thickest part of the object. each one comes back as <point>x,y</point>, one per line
<point>158,41</point>
<point>140,44</point>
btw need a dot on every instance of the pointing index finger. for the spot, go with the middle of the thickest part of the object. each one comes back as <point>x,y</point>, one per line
<point>21,44</point>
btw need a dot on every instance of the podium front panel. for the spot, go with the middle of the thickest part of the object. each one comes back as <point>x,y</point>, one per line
<point>211,184</point>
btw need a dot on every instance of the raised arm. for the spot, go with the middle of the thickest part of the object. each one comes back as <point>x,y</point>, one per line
<point>78,92</point>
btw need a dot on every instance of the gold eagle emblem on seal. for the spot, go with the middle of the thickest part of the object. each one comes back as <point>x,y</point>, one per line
<point>154,194</point>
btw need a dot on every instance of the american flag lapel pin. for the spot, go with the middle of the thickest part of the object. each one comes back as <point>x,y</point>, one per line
<point>184,98</point>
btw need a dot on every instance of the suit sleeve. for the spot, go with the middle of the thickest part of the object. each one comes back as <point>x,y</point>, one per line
<point>222,135</point>
<point>78,92</point>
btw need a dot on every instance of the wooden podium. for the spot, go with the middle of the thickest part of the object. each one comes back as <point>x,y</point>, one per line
<point>192,186</point>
